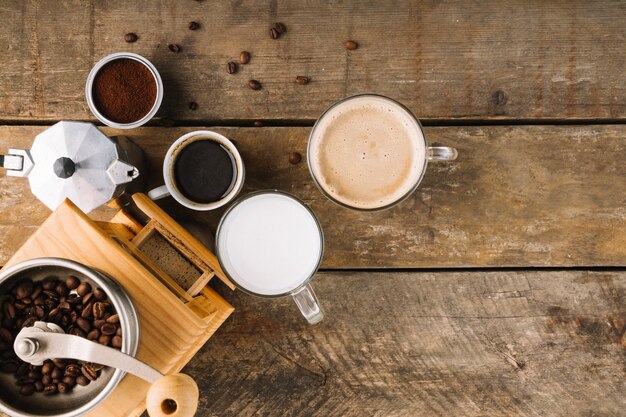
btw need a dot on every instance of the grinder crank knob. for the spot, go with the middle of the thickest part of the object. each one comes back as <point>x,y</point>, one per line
<point>173,396</point>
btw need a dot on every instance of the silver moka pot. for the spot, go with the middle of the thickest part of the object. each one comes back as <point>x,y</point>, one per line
<point>75,160</point>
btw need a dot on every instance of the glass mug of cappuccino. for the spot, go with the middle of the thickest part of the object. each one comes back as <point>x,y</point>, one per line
<point>270,244</point>
<point>202,170</point>
<point>369,152</point>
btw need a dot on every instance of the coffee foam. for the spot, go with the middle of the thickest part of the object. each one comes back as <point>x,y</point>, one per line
<point>367,152</point>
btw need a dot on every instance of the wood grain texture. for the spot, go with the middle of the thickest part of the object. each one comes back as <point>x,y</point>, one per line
<point>425,344</point>
<point>444,59</point>
<point>517,196</point>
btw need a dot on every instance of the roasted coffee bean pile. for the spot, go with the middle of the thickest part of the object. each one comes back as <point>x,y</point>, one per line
<point>78,308</point>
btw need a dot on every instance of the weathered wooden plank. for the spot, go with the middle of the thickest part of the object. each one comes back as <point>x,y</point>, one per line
<point>445,59</point>
<point>425,344</point>
<point>517,196</point>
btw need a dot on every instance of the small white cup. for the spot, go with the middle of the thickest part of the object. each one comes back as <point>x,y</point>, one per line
<point>170,187</point>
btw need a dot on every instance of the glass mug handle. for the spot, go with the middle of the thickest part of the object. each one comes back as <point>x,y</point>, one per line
<point>442,153</point>
<point>308,304</point>
<point>158,193</point>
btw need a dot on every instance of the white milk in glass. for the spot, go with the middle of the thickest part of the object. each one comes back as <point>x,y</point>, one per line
<point>270,244</point>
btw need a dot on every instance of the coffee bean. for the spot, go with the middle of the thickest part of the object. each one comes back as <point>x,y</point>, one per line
<point>22,370</point>
<point>244,57</point>
<point>27,390</point>
<point>113,318</point>
<point>295,158</point>
<point>49,389</point>
<point>130,37</point>
<point>116,342</point>
<point>274,33</point>
<point>87,311</point>
<point>59,363</point>
<point>93,335</point>
<point>88,371</point>
<point>47,368</point>
<point>72,282</point>
<point>62,388</point>
<point>36,292</point>
<point>231,67</point>
<point>70,381</point>
<point>39,386</point>
<point>98,323</point>
<point>9,310</point>
<point>194,26</point>
<point>64,305</point>
<point>40,313</point>
<point>83,289</point>
<point>75,331</point>
<point>84,324</point>
<point>72,370</point>
<point>62,289</point>
<point>96,366</point>
<point>57,373</point>
<point>8,355</point>
<point>280,27</point>
<point>24,289</point>
<point>119,331</point>
<point>46,379</point>
<point>351,45</point>
<point>257,123</point>
<point>174,47</point>
<point>88,298</point>
<point>29,322</point>
<point>49,283</point>
<point>108,329</point>
<point>6,335</point>
<point>104,339</point>
<point>193,105</point>
<point>82,380</point>
<point>99,309</point>
<point>73,299</point>
<point>99,294</point>
<point>302,80</point>
<point>254,84</point>
<point>34,374</point>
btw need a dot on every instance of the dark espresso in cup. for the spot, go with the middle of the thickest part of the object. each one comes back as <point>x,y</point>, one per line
<point>204,171</point>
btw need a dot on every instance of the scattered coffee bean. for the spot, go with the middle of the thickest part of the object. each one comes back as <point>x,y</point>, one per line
<point>83,289</point>
<point>254,84</point>
<point>194,26</point>
<point>280,27</point>
<point>244,57</point>
<point>24,289</point>
<point>351,45</point>
<point>193,105</point>
<point>302,80</point>
<point>174,47</point>
<point>231,67</point>
<point>295,158</point>
<point>274,33</point>
<point>130,37</point>
<point>257,123</point>
<point>49,389</point>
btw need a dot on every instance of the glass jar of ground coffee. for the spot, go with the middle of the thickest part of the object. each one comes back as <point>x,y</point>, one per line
<point>124,90</point>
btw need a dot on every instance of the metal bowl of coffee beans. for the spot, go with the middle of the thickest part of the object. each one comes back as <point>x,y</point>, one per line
<point>83,302</point>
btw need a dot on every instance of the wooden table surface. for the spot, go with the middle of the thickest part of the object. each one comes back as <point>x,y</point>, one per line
<point>498,288</point>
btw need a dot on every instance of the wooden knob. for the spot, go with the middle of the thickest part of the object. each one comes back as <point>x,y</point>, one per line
<point>173,396</point>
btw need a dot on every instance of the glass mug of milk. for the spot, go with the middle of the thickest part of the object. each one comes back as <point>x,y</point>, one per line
<point>369,152</point>
<point>270,244</point>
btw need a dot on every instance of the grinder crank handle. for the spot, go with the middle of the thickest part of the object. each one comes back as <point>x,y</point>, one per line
<point>169,396</point>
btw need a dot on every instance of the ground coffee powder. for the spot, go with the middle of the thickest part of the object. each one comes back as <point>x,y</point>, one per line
<point>124,90</point>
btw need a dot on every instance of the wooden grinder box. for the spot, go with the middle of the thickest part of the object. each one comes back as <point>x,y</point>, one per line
<point>163,269</point>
